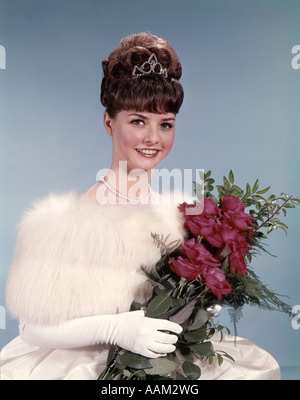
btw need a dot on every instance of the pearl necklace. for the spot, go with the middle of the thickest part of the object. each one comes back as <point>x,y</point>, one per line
<point>103,179</point>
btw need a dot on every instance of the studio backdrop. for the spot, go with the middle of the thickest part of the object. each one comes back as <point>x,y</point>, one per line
<point>241,76</point>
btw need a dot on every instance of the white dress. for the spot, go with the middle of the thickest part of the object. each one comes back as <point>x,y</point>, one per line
<point>21,361</point>
<point>71,255</point>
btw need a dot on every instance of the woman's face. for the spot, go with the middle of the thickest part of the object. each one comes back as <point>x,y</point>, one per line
<point>143,139</point>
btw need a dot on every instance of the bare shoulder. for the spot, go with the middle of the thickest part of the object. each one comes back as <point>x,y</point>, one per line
<point>90,194</point>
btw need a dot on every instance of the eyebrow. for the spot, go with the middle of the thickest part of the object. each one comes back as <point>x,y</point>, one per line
<point>144,117</point>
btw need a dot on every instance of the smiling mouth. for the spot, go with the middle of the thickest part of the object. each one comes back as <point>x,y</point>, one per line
<point>148,152</point>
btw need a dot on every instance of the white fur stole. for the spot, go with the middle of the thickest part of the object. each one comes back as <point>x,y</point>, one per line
<point>75,258</point>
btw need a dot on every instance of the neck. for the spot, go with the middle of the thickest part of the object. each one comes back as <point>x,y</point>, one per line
<point>132,183</point>
<point>118,186</point>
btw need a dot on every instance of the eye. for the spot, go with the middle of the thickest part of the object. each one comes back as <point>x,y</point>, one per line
<point>138,122</point>
<point>167,125</point>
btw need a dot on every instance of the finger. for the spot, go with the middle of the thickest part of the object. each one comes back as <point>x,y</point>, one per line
<point>140,313</point>
<point>166,325</point>
<point>152,354</point>
<point>165,338</point>
<point>161,347</point>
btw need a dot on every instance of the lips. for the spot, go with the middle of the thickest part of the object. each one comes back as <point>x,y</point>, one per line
<point>148,152</point>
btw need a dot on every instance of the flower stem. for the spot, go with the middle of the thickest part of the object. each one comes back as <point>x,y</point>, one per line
<point>274,213</point>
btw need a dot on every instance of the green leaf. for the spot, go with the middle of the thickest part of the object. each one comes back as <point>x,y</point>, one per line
<point>202,175</point>
<point>195,336</point>
<point>140,374</point>
<point>180,377</point>
<point>161,366</point>
<point>208,188</point>
<point>209,181</point>
<point>163,292</point>
<point>210,359</point>
<point>248,190</point>
<point>111,355</point>
<point>199,190</point>
<point>264,190</point>
<point>295,201</point>
<point>183,353</point>
<point>236,191</point>
<point>204,349</point>
<point>135,306</point>
<point>221,327</point>
<point>255,186</point>
<point>226,183</point>
<point>227,355</point>
<point>289,205</point>
<point>191,371</point>
<point>200,319</point>
<point>133,360</point>
<point>151,280</point>
<point>247,194</point>
<point>181,316</point>
<point>220,359</point>
<point>158,306</point>
<point>177,303</point>
<point>231,177</point>
<point>257,197</point>
<point>207,174</point>
<point>221,191</point>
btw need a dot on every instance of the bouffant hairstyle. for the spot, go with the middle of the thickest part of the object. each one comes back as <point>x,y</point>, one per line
<point>121,90</point>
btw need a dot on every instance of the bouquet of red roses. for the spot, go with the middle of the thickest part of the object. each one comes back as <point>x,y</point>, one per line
<point>218,233</point>
<point>212,267</point>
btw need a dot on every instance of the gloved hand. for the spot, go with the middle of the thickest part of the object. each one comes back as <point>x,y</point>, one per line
<point>131,331</point>
<point>146,336</point>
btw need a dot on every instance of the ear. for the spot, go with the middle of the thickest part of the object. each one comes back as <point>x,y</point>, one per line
<point>107,122</point>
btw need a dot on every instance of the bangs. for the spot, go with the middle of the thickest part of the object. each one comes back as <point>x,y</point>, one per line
<point>152,94</point>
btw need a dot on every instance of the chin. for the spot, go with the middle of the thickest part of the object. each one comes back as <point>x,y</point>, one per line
<point>149,166</point>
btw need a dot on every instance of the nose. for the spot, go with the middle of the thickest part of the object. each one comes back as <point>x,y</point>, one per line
<point>151,135</point>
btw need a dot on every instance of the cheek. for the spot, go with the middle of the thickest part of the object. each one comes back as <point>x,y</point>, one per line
<point>168,141</point>
<point>127,139</point>
<point>131,137</point>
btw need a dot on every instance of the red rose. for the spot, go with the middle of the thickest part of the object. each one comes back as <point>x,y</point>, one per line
<point>232,237</point>
<point>211,208</point>
<point>197,253</point>
<point>207,208</point>
<point>237,262</point>
<point>232,203</point>
<point>236,242</point>
<point>207,228</point>
<point>233,213</point>
<point>220,231</point>
<point>182,207</point>
<point>199,259</point>
<point>185,268</point>
<point>216,282</point>
<point>203,224</point>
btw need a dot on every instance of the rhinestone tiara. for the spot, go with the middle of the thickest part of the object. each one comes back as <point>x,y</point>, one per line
<point>150,66</point>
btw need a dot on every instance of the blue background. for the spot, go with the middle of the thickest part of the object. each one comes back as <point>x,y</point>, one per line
<point>241,112</point>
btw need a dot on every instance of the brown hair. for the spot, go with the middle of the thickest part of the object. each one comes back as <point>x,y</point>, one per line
<point>120,90</point>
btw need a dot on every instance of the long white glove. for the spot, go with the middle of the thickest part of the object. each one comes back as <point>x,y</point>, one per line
<point>132,331</point>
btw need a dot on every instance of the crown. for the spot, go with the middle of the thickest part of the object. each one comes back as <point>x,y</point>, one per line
<point>151,65</point>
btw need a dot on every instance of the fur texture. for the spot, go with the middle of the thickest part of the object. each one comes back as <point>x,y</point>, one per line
<point>74,258</point>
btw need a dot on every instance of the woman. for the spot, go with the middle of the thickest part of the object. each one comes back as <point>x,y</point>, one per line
<point>77,262</point>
